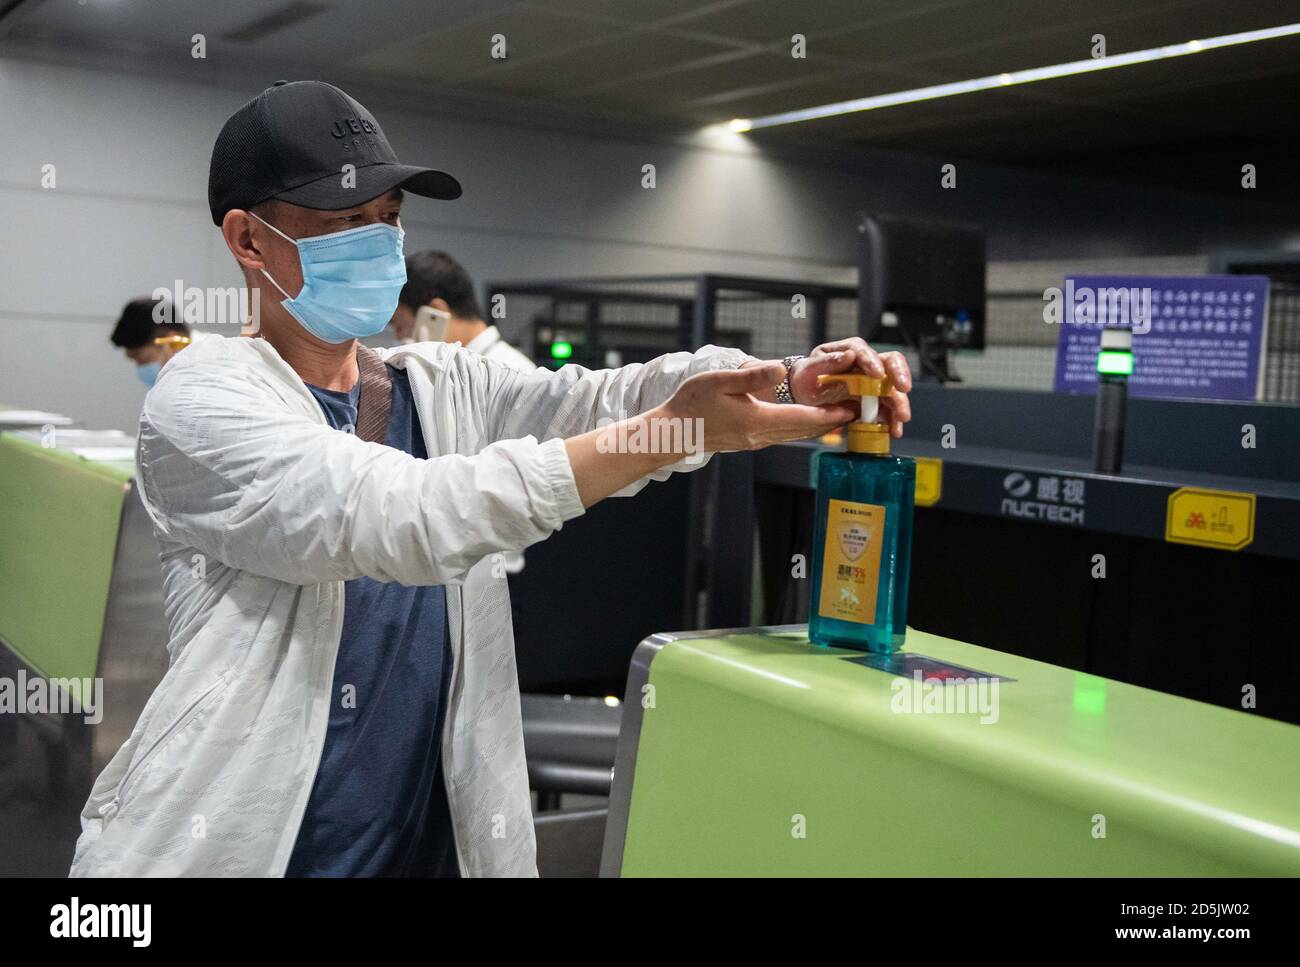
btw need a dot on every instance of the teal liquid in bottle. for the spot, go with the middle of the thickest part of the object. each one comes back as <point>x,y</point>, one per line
<point>862,535</point>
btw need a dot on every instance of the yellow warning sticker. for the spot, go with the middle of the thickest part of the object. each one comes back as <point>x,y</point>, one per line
<point>1210,518</point>
<point>929,481</point>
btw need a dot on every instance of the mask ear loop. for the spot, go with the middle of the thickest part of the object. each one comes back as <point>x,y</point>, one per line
<point>277,285</point>
<point>291,241</point>
<point>273,228</point>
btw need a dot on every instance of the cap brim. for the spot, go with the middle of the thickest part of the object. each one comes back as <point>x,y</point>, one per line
<point>329,193</point>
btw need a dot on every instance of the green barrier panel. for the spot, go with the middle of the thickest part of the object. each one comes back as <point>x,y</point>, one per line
<point>763,755</point>
<point>58,534</point>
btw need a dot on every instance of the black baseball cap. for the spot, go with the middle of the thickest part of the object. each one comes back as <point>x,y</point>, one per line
<point>292,141</point>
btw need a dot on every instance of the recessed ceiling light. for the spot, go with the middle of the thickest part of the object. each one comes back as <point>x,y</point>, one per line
<point>1009,78</point>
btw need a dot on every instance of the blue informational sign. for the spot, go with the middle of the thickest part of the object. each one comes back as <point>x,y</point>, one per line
<point>1197,337</point>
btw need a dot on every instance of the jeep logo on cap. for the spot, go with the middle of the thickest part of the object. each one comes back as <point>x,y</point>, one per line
<point>345,126</point>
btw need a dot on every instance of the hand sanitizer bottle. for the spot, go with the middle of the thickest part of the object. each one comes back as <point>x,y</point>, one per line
<point>862,535</point>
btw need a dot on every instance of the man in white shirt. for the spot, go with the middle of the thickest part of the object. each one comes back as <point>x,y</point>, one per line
<point>341,698</point>
<point>438,304</point>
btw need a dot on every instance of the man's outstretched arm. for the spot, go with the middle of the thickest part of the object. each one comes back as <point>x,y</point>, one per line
<point>723,404</point>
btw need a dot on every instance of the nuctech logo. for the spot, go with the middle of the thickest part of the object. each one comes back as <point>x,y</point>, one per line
<point>1058,500</point>
<point>1017,485</point>
<point>96,921</point>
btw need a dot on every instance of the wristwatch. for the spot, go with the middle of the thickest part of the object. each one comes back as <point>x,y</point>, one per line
<point>783,394</point>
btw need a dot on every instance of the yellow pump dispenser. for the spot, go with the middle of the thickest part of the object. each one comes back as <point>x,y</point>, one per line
<point>865,435</point>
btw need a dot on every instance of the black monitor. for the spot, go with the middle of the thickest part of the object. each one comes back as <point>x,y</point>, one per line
<point>921,285</point>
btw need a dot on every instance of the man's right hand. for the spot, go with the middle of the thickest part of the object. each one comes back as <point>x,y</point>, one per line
<point>732,419</point>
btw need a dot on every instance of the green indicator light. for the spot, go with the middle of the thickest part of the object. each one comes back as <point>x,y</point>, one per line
<point>561,350</point>
<point>1089,695</point>
<point>1112,362</point>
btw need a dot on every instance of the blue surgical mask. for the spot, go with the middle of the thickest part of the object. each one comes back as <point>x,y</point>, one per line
<point>148,372</point>
<point>350,281</point>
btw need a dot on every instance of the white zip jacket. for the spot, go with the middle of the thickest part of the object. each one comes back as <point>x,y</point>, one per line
<point>490,344</point>
<point>263,511</point>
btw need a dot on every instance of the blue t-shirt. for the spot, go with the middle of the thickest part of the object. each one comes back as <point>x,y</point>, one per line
<point>379,803</point>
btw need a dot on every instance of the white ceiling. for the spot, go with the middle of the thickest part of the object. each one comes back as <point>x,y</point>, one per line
<point>683,63</point>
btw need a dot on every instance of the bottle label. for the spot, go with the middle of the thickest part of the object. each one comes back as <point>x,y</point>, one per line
<point>855,534</point>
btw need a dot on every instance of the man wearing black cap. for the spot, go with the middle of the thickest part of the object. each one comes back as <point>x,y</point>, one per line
<point>342,697</point>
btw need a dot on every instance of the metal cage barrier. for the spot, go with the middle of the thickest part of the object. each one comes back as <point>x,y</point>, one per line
<point>612,321</point>
<point>1282,353</point>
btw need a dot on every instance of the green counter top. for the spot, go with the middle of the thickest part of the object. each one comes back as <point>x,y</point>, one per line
<point>762,754</point>
<point>58,535</point>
